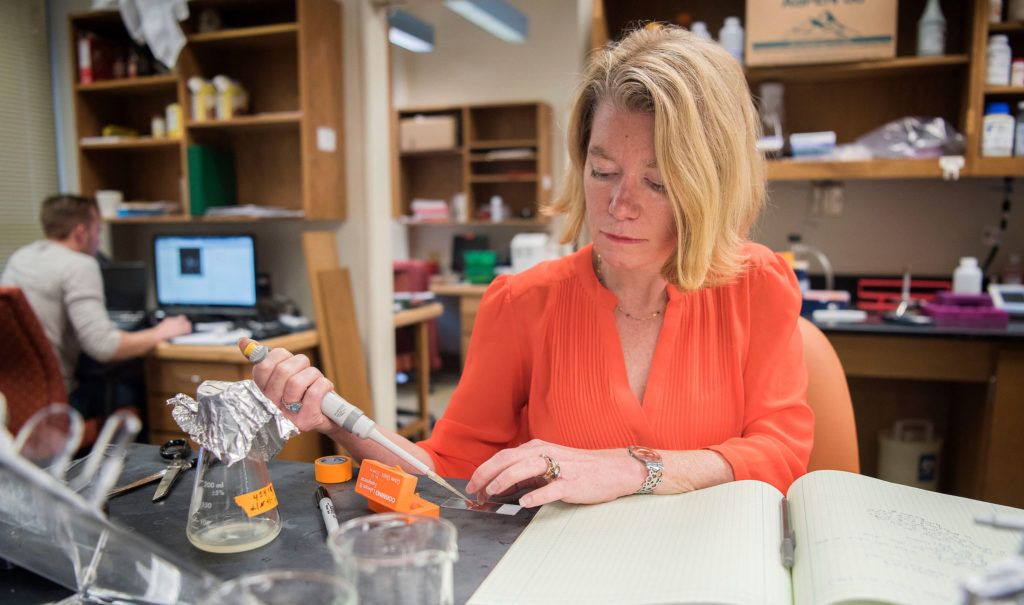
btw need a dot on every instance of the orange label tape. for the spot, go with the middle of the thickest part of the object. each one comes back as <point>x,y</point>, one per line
<point>332,469</point>
<point>257,502</point>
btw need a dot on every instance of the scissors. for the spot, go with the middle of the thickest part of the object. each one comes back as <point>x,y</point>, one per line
<point>179,454</point>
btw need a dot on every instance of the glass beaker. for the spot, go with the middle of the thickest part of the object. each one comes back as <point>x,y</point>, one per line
<point>233,508</point>
<point>397,558</point>
<point>284,587</point>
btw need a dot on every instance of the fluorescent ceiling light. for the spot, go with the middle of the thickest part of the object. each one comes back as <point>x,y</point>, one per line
<point>496,16</point>
<point>409,32</point>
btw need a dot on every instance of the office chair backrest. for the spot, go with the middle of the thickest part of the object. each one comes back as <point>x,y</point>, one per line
<point>835,432</point>
<point>30,376</point>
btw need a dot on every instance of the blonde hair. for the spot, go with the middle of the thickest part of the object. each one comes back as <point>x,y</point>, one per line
<point>705,130</point>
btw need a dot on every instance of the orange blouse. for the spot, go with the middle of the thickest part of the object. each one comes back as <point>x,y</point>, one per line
<point>545,362</point>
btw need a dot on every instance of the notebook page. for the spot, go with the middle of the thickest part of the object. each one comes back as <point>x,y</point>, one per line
<point>863,538</point>
<point>719,544</point>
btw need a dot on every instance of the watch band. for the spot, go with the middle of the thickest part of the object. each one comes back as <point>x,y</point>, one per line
<point>655,467</point>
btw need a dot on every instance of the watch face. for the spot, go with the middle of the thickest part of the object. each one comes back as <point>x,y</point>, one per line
<point>645,453</point>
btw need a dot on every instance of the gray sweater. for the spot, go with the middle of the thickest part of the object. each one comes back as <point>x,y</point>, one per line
<point>65,289</point>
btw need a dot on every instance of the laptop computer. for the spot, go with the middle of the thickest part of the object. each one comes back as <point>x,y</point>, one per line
<point>124,287</point>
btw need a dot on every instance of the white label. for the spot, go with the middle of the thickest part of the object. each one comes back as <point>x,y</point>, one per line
<point>326,139</point>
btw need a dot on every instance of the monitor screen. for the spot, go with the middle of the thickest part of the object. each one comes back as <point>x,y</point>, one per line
<point>205,273</point>
<point>124,285</point>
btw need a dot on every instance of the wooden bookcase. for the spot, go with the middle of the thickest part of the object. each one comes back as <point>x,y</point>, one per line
<point>854,98</point>
<point>479,166</point>
<point>288,150</point>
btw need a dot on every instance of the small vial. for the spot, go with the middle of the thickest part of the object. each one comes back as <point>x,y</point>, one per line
<point>1017,73</point>
<point>158,127</point>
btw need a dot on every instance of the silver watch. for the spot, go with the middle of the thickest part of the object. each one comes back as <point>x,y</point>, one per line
<point>655,467</point>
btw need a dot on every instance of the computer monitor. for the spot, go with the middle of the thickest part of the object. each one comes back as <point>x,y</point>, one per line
<point>205,274</point>
<point>124,285</point>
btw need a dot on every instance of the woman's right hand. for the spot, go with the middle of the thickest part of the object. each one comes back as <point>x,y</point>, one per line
<point>288,379</point>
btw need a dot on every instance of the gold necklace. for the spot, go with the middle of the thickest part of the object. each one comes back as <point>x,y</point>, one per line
<point>600,278</point>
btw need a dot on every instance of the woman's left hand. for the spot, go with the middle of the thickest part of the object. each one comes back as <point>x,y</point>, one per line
<point>584,476</point>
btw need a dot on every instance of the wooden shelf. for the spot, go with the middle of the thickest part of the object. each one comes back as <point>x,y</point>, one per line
<point>181,218</point>
<point>247,37</point>
<point>454,151</point>
<point>861,69</point>
<point>482,157</point>
<point>126,144</point>
<point>1003,90</point>
<point>792,170</point>
<point>502,178</point>
<point>165,83</point>
<point>503,144</point>
<point>1006,27</point>
<point>1013,166</point>
<point>509,222</point>
<point>250,122</point>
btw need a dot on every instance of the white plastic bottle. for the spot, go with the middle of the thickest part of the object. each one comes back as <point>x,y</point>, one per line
<point>967,277</point>
<point>997,131</point>
<point>997,69</point>
<point>995,11</point>
<point>731,37</point>
<point>931,31</point>
<point>701,29</point>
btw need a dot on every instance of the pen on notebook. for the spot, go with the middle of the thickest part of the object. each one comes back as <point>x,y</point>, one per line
<point>326,506</point>
<point>788,540</point>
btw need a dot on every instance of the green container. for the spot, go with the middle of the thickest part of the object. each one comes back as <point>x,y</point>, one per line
<point>479,266</point>
<point>211,178</point>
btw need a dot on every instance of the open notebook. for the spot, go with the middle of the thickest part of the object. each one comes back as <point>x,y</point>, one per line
<point>857,539</point>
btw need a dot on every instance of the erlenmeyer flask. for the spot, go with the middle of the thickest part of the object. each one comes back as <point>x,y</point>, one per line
<point>234,508</point>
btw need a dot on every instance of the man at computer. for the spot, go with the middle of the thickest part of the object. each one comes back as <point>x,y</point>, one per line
<point>61,280</point>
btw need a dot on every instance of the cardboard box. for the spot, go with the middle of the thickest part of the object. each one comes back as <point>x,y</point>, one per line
<point>422,133</point>
<point>790,32</point>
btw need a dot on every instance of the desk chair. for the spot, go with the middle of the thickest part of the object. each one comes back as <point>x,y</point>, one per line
<point>29,373</point>
<point>835,432</point>
<point>30,376</point>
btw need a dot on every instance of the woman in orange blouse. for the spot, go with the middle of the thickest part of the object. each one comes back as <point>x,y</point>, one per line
<point>665,356</point>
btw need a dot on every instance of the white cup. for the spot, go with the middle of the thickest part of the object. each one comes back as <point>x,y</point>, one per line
<point>108,201</point>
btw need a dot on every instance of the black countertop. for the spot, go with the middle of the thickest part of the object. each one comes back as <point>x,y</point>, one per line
<point>482,537</point>
<point>877,327</point>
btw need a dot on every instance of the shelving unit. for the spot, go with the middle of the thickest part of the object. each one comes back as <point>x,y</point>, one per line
<point>982,93</point>
<point>854,98</point>
<point>502,149</point>
<point>288,150</point>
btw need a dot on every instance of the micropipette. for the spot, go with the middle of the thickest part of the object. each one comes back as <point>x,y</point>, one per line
<point>353,420</point>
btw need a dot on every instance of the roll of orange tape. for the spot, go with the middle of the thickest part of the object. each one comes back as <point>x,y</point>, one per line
<point>333,469</point>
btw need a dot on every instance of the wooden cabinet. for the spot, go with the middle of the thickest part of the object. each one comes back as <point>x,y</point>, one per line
<point>854,98</point>
<point>501,149</point>
<point>288,149</point>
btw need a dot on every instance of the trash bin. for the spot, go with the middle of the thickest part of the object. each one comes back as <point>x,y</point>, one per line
<point>909,454</point>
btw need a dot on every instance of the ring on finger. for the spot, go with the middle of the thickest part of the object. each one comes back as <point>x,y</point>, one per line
<point>293,407</point>
<point>554,472</point>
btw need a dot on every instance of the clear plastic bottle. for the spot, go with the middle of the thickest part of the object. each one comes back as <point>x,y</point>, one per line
<point>931,31</point>
<point>731,37</point>
<point>772,114</point>
<point>1000,57</point>
<point>967,277</point>
<point>1012,270</point>
<point>700,28</point>
<point>1018,135</point>
<point>997,131</point>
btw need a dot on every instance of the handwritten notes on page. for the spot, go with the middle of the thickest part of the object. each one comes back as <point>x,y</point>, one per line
<point>865,539</point>
<point>720,544</point>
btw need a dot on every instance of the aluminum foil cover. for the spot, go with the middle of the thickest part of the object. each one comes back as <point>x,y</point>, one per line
<point>232,419</point>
